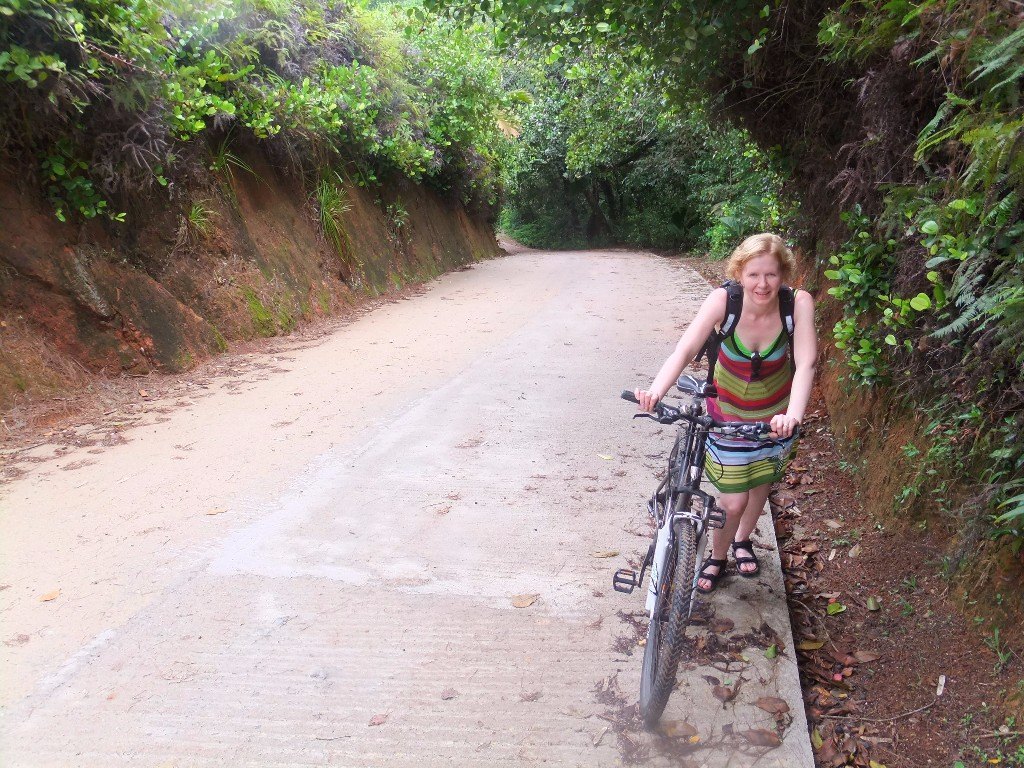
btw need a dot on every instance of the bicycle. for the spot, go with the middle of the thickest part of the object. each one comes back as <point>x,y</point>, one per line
<point>683,514</point>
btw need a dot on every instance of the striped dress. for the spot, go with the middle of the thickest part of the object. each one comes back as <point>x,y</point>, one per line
<point>735,465</point>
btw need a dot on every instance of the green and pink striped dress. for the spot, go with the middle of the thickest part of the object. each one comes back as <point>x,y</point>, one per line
<point>749,391</point>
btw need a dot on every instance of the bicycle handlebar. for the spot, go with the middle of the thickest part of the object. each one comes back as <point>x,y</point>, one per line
<point>667,414</point>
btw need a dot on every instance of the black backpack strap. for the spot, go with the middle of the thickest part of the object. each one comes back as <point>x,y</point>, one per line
<point>787,304</point>
<point>733,307</point>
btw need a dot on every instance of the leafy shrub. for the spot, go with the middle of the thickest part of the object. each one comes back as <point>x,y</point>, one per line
<point>102,95</point>
<point>935,283</point>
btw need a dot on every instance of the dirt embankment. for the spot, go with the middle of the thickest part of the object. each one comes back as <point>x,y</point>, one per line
<point>238,254</point>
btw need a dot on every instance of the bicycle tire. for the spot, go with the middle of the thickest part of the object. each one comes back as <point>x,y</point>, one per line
<point>666,635</point>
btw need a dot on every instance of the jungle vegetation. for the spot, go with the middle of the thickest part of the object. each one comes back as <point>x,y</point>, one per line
<point>898,127</point>
<point>885,138</point>
<point>105,100</point>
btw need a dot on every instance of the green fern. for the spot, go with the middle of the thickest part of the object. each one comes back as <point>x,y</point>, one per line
<point>1008,51</point>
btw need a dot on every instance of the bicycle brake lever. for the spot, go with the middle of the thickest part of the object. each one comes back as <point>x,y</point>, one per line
<point>645,416</point>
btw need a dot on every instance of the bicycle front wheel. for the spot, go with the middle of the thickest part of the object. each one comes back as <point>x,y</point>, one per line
<point>666,632</point>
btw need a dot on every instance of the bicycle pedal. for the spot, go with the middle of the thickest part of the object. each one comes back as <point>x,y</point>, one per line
<point>625,580</point>
<point>716,518</point>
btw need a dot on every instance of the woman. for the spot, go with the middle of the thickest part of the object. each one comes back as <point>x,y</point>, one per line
<point>759,378</point>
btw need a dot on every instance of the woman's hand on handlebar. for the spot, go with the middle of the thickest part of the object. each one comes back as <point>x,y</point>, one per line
<point>647,400</point>
<point>783,426</point>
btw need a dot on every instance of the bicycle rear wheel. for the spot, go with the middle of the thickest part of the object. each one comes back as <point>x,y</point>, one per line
<point>666,632</point>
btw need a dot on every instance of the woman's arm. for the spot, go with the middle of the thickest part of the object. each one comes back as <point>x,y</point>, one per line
<point>805,357</point>
<point>708,316</point>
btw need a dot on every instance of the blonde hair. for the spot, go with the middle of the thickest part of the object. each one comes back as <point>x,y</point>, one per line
<point>764,244</point>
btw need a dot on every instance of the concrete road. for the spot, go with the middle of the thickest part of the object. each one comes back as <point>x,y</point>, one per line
<point>389,546</point>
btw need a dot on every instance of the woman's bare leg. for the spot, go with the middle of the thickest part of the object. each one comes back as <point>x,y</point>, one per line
<point>735,506</point>
<point>756,499</point>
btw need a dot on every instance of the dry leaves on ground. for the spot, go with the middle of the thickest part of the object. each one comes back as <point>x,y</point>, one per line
<point>524,601</point>
<point>762,737</point>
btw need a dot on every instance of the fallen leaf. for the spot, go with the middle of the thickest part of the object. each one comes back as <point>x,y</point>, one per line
<point>604,456</point>
<point>605,553</point>
<point>866,657</point>
<point>448,694</point>
<point>524,601</point>
<point>725,694</point>
<point>835,525</point>
<point>143,393</point>
<point>677,729</point>
<point>873,764</point>
<point>721,625</point>
<point>941,687</point>
<point>835,609</point>
<point>842,657</point>
<point>771,651</point>
<point>217,511</point>
<point>874,604</point>
<point>854,550</point>
<point>829,595</point>
<point>50,596</point>
<point>810,548</point>
<point>379,719</point>
<point>816,740</point>
<point>773,705</point>
<point>761,737</point>
<point>809,645</point>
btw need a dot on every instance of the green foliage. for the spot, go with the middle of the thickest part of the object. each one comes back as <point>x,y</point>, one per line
<point>687,36</point>
<point>396,217</point>
<point>604,155</point>
<point>68,185</point>
<point>104,94</point>
<point>962,304</point>
<point>332,204</point>
<point>199,218</point>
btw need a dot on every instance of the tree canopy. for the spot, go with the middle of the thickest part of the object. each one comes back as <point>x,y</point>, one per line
<point>902,125</point>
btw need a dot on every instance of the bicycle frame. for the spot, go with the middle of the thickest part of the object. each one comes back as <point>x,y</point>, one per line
<point>683,513</point>
<point>665,506</point>
<point>677,493</point>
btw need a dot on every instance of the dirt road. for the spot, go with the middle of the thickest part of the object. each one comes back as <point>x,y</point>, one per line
<point>318,560</point>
